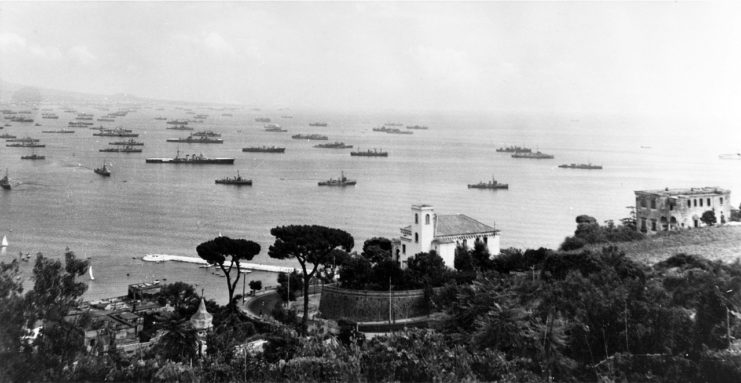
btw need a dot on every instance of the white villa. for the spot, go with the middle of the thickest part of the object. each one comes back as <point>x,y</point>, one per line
<point>442,233</point>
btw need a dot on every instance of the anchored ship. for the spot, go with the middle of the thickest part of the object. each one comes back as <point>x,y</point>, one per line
<point>180,127</point>
<point>317,124</point>
<point>391,130</point>
<point>58,131</point>
<point>493,184</point>
<point>309,137</point>
<point>274,128</point>
<point>342,181</point>
<point>417,127</point>
<point>103,171</point>
<point>514,149</point>
<point>537,155</point>
<point>580,166</point>
<point>125,149</point>
<point>262,119</point>
<point>206,133</point>
<point>370,153</point>
<point>334,145</point>
<point>177,122</point>
<point>238,180</point>
<point>264,149</point>
<point>130,142</point>
<point>195,159</point>
<point>192,139</point>
<point>118,132</point>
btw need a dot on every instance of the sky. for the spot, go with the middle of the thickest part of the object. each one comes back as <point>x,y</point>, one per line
<point>585,57</point>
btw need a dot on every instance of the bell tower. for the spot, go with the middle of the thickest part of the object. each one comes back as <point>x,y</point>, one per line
<point>423,228</point>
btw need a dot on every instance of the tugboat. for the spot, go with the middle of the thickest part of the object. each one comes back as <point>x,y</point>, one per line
<point>5,182</point>
<point>317,124</point>
<point>334,145</point>
<point>103,171</point>
<point>537,155</point>
<point>238,180</point>
<point>193,139</point>
<point>264,149</point>
<point>580,166</point>
<point>342,181</point>
<point>493,184</point>
<point>195,159</point>
<point>309,137</point>
<point>514,149</point>
<point>370,153</point>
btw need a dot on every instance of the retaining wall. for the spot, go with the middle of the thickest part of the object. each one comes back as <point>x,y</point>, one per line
<point>370,306</point>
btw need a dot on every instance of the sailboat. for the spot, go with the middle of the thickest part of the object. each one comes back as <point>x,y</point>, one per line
<point>90,271</point>
<point>5,242</point>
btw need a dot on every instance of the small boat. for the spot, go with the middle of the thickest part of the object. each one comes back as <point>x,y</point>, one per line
<point>5,181</point>
<point>103,171</point>
<point>238,180</point>
<point>493,184</point>
<point>4,243</point>
<point>342,181</point>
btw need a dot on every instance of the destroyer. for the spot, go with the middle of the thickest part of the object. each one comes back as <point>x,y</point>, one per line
<point>537,155</point>
<point>342,181</point>
<point>125,149</point>
<point>580,166</point>
<point>493,184</point>
<point>238,180</point>
<point>264,149</point>
<point>195,159</point>
<point>334,145</point>
<point>370,153</point>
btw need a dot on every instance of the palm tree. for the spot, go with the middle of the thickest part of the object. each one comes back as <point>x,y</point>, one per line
<point>180,340</point>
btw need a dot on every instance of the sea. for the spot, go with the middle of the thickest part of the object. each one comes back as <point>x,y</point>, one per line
<point>59,203</point>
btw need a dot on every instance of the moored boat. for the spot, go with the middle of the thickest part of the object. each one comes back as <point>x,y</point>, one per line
<point>342,181</point>
<point>370,153</point>
<point>195,159</point>
<point>264,149</point>
<point>580,166</point>
<point>238,180</point>
<point>492,184</point>
<point>537,155</point>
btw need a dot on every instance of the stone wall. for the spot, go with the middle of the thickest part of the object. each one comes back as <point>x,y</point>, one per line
<point>370,306</point>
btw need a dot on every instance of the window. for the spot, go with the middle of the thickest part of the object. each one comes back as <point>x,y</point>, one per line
<point>653,204</point>
<point>689,203</point>
<point>694,202</point>
<point>721,201</point>
<point>486,240</point>
<point>700,202</point>
<point>643,225</point>
<point>403,249</point>
<point>653,225</point>
<point>708,201</point>
<point>671,205</point>
<point>416,237</point>
<point>416,218</point>
<point>427,219</point>
<point>643,203</point>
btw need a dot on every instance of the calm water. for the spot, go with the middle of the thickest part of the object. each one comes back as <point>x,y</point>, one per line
<point>160,208</point>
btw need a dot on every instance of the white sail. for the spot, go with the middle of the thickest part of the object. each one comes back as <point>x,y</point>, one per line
<point>5,241</point>
<point>90,271</point>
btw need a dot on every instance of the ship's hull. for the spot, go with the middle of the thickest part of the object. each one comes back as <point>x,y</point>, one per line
<point>116,134</point>
<point>237,183</point>
<point>261,150</point>
<point>534,157</point>
<point>33,157</point>
<point>363,154</point>
<point>343,184</point>
<point>503,186</point>
<point>213,161</point>
<point>25,145</point>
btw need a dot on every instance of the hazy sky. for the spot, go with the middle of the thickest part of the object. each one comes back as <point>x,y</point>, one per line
<point>621,57</point>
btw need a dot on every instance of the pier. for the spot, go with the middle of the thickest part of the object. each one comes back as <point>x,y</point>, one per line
<point>243,266</point>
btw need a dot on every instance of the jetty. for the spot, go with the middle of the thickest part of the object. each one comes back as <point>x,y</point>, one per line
<point>242,265</point>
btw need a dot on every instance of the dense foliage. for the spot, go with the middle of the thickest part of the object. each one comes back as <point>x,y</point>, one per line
<point>588,231</point>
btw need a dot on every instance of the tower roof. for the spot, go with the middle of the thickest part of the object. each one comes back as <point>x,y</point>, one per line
<point>202,320</point>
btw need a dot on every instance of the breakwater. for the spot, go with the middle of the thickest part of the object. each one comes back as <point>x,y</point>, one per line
<point>243,266</point>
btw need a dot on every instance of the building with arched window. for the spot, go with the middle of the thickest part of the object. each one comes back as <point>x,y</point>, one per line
<point>442,233</point>
<point>675,209</point>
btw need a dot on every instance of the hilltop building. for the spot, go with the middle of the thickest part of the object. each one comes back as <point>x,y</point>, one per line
<point>442,233</point>
<point>675,209</point>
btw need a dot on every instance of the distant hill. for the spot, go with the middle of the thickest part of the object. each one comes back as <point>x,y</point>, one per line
<point>18,93</point>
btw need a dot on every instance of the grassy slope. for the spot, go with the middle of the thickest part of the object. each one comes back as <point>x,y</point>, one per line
<point>714,243</point>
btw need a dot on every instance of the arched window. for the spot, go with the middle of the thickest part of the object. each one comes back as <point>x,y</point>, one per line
<point>416,218</point>
<point>416,237</point>
<point>427,219</point>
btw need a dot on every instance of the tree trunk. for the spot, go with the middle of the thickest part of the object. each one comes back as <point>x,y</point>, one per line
<point>305,321</point>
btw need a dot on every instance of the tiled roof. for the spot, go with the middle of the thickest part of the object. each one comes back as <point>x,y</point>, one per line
<point>459,224</point>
